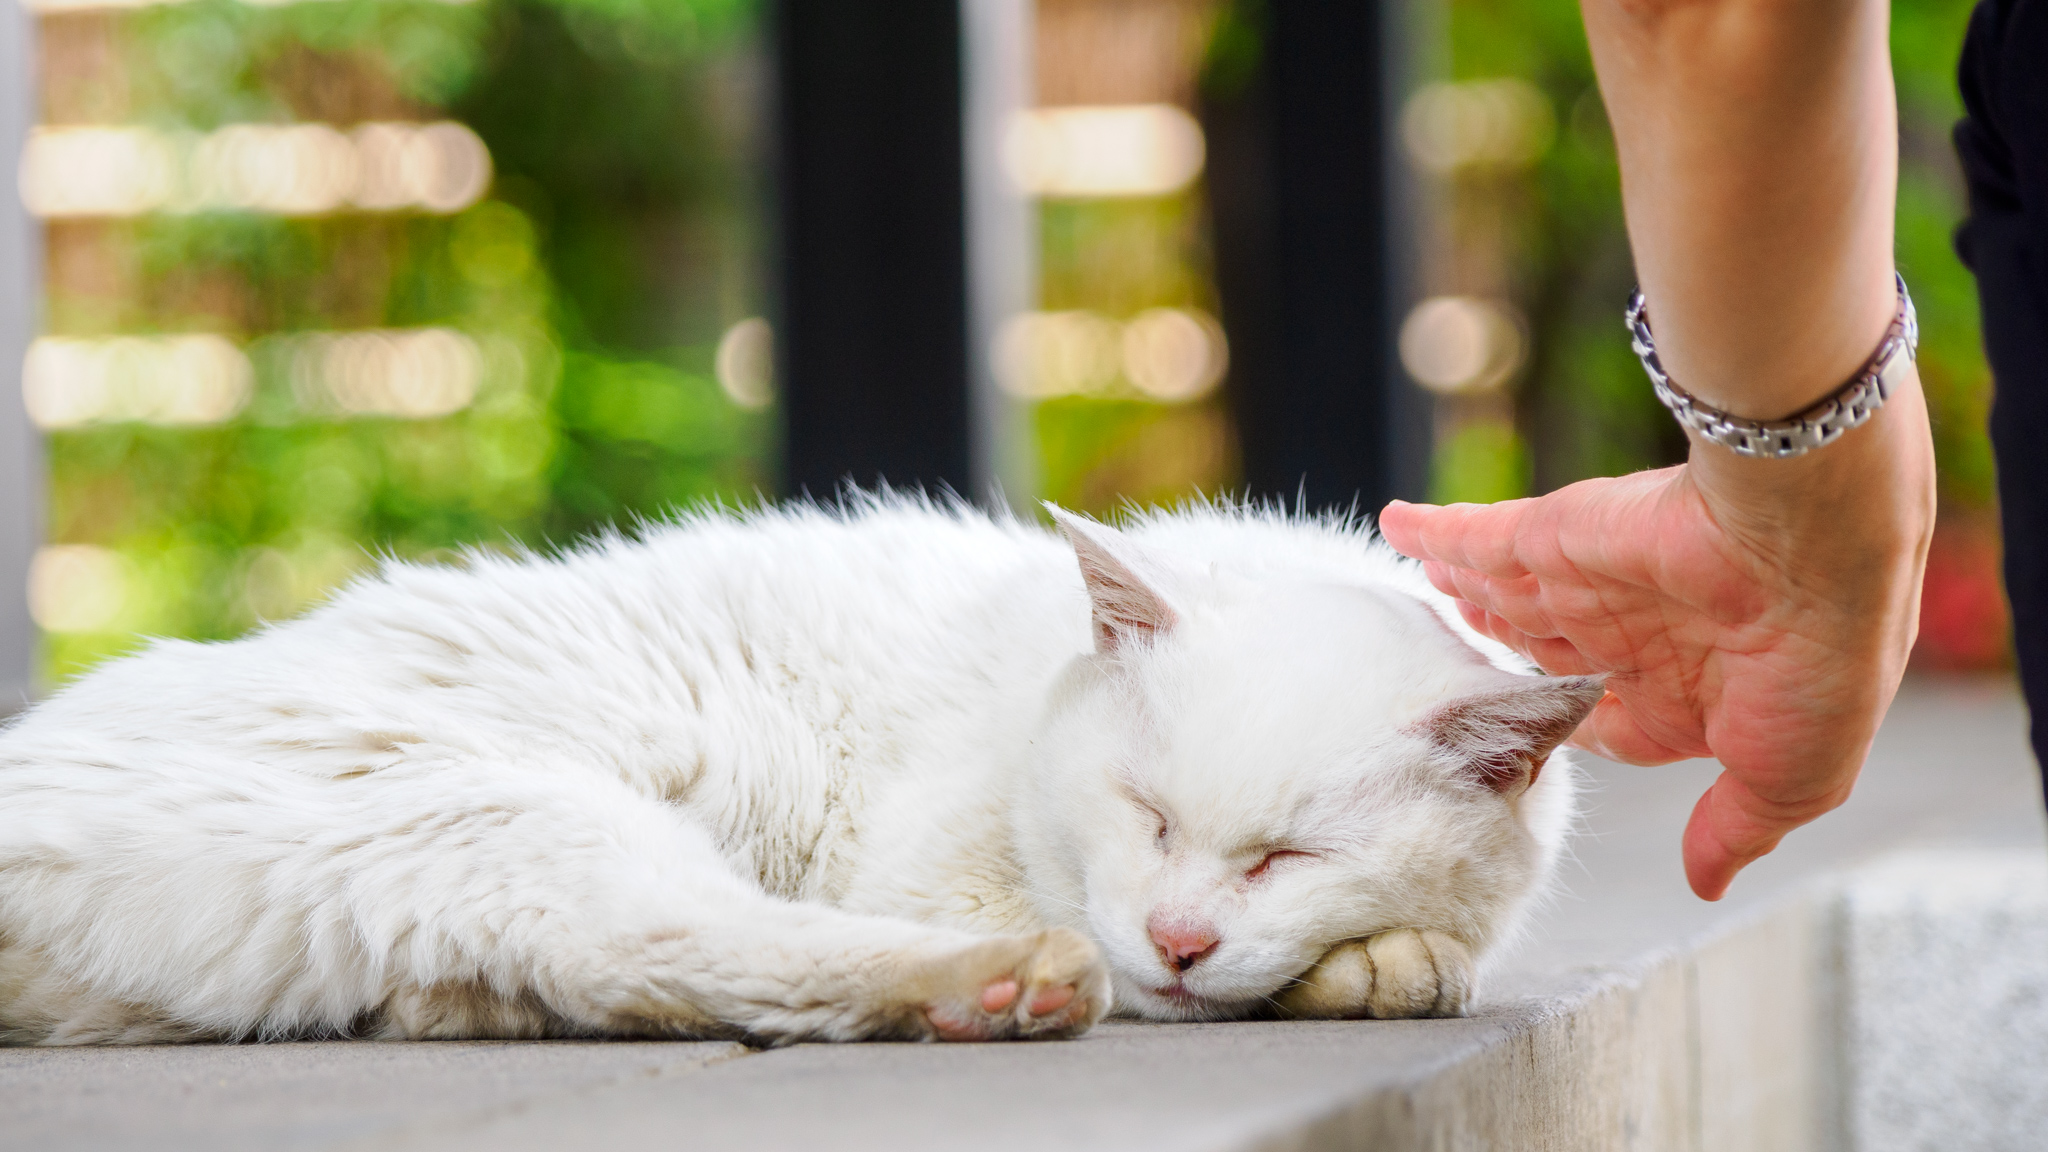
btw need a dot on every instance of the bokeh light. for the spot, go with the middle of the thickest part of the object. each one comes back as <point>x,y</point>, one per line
<point>1165,354</point>
<point>1455,344</point>
<point>745,363</point>
<point>1503,123</point>
<point>98,171</point>
<point>1174,353</point>
<point>416,375</point>
<point>191,379</point>
<point>442,167</point>
<point>50,6</point>
<point>1109,150</point>
<point>282,169</point>
<point>76,588</point>
<point>43,7</point>
<point>1045,354</point>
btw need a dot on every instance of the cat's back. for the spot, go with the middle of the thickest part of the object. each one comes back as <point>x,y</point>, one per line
<point>616,652</point>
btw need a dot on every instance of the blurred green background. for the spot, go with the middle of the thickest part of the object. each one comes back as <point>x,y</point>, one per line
<point>608,276</point>
<point>619,240</point>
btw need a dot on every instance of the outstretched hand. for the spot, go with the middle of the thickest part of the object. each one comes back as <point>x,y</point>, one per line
<point>1759,612</point>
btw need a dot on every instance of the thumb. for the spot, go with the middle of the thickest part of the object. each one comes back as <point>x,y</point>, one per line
<point>1725,835</point>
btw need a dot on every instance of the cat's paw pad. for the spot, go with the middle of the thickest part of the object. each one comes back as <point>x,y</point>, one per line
<point>1048,986</point>
<point>1393,975</point>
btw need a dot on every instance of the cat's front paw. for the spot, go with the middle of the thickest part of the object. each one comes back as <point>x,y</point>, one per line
<point>1395,975</point>
<point>1045,987</point>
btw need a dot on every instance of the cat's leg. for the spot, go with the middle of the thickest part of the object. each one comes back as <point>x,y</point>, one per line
<point>780,973</point>
<point>447,897</point>
<point>1395,975</point>
<point>614,914</point>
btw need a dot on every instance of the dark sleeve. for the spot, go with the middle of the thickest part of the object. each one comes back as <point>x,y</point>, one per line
<point>1989,80</point>
<point>2003,145</point>
<point>1980,146</point>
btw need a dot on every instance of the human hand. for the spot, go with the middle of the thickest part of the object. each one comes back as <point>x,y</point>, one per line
<point>1756,611</point>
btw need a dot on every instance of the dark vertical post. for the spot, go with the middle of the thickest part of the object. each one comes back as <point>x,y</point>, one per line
<point>1307,189</point>
<point>873,317</point>
<point>21,457</point>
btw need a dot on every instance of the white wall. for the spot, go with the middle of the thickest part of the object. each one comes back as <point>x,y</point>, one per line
<point>21,461</point>
<point>1002,237</point>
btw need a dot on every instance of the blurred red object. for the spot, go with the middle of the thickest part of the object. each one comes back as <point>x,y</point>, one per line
<point>1964,625</point>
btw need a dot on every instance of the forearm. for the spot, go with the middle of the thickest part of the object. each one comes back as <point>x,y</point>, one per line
<point>1759,158</point>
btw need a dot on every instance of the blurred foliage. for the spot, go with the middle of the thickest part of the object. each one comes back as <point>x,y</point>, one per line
<point>621,238</point>
<point>1119,257</point>
<point>1099,454</point>
<point>1583,407</point>
<point>625,231</point>
<point>1123,256</point>
<point>1927,38</point>
<point>1478,464</point>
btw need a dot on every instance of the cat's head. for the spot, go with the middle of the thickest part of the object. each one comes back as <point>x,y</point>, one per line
<point>1253,766</point>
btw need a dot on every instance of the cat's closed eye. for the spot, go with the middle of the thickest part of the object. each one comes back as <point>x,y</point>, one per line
<point>1277,856</point>
<point>1161,826</point>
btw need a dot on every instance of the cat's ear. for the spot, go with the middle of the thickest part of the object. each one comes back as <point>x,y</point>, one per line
<point>1127,605</point>
<point>1503,736</point>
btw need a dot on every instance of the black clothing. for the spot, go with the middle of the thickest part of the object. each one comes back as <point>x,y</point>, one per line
<point>2004,147</point>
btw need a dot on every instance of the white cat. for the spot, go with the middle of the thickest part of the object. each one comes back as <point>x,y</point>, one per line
<point>898,772</point>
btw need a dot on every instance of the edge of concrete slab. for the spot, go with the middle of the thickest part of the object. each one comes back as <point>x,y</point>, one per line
<point>1898,1004</point>
<point>1635,1058</point>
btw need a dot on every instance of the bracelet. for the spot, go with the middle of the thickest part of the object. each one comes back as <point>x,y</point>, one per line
<point>1822,424</point>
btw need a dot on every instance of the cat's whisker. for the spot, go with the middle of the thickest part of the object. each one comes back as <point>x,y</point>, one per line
<point>1055,898</point>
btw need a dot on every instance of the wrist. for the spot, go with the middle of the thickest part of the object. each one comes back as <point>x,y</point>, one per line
<point>1815,426</point>
<point>1854,515</point>
<point>1773,372</point>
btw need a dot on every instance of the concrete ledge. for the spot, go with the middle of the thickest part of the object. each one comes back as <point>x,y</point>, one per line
<point>1945,969</point>
<point>1831,1002</point>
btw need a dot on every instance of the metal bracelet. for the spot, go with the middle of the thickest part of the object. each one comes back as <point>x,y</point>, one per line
<point>1816,427</point>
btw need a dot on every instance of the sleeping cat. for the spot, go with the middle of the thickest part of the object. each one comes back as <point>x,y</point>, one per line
<point>901,771</point>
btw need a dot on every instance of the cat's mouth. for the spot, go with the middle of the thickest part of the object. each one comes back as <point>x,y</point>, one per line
<point>1163,995</point>
<point>1176,1000</point>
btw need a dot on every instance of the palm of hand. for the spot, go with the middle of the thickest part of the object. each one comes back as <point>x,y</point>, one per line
<point>1719,642</point>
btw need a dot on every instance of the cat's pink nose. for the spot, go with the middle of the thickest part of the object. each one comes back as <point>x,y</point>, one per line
<point>1181,943</point>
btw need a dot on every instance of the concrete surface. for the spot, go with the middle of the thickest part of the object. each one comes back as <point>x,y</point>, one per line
<point>273,1096</point>
<point>1946,964</point>
<point>1636,1017</point>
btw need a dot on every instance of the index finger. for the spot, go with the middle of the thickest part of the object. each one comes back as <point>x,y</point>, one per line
<point>1476,536</point>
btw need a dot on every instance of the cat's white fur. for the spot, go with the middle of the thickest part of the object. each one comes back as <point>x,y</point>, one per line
<point>800,774</point>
